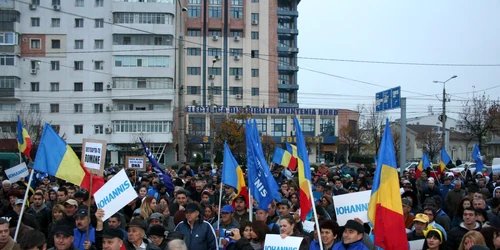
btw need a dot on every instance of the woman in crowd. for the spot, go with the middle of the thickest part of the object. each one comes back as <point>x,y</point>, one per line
<point>470,239</point>
<point>434,239</point>
<point>143,191</point>
<point>457,218</point>
<point>294,198</point>
<point>246,230</point>
<point>491,237</point>
<point>288,227</point>
<point>330,231</point>
<point>147,207</point>
<point>208,214</point>
<point>168,222</point>
<point>164,200</point>
<point>156,234</point>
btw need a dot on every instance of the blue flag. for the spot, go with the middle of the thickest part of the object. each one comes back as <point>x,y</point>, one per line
<point>167,181</point>
<point>476,155</point>
<point>261,182</point>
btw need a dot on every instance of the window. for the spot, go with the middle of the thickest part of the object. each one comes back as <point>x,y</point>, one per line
<point>99,3</point>
<point>54,108</point>
<point>236,52</point>
<point>79,3</point>
<point>98,44</point>
<point>98,129</point>
<point>194,11</point>
<point>35,2</point>
<point>284,79</point>
<point>255,1</point>
<point>35,22</point>
<point>99,23</point>
<point>78,108</point>
<point>35,44</point>
<point>193,70</point>
<point>56,43</point>
<point>125,106</point>
<point>214,33</point>
<point>235,71</point>
<point>197,126</point>
<point>214,52</point>
<point>237,2</point>
<point>56,2</point>
<point>78,129</point>
<point>194,1</point>
<point>255,35</point>
<point>284,97</point>
<point>235,90</point>
<point>78,86</point>
<point>255,91</point>
<point>35,107</point>
<point>214,12</point>
<point>278,126</point>
<point>98,86</point>
<point>215,2</point>
<point>78,44</point>
<point>54,87</point>
<point>255,17</point>
<point>142,126</point>
<point>78,22</point>
<point>236,12</point>
<point>7,60</point>
<point>143,18</point>
<point>55,23</point>
<point>78,65</point>
<point>35,86</point>
<point>35,64</point>
<point>193,90</point>
<point>99,65</point>
<point>193,51</point>
<point>327,127</point>
<point>261,124</point>
<point>308,125</point>
<point>8,38</point>
<point>234,33</point>
<point>98,108</point>
<point>214,71</point>
<point>54,65</point>
<point>142,61</point>
<point>193,32</point>
<point>255,72</point>
<point>254,54</point>
<point>142,39</point>
<point>217,90</point>
<point>141,83</point>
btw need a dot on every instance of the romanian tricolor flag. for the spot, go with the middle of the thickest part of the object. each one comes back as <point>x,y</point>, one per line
<point>23,139</point>
<point>304,171</point>
<point>292,149</point>
<point>230,170</point>
<point>385,209</point>
<point>422,165</point>
<point>445,159</point>
<point>58,159</point>
<point>284,158</point>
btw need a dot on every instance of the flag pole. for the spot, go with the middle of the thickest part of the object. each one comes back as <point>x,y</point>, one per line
<point>315,215</point>
<point>250,205</point>
<point>24,204</point>
<point>90,204</point>
<point>220,203</point>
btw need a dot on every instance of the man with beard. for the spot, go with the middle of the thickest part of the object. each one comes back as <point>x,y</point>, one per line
<point>241,214</point>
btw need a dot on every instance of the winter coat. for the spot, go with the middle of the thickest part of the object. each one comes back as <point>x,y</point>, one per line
<point>149,245</point>
<point>201,236</point>
<point>12,245</point>
<point>42,216</point>
<point>80,237</point>
<point>358,245</point>
<point>456,234</point>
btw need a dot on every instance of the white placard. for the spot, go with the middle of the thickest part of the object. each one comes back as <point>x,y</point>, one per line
<point>136,162</point>
<point>17,172</point>
<point>416,244</point>
<point>92,156</point>
<point>495,169</point>
<point>350,206</point>
<point>274,241</point>
<point>115,194</point>
<point>308,226</point>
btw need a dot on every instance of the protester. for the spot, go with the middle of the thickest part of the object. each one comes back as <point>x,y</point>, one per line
<point>351,237</point>
<point>470,239</point>
<point>194,225</point>
<point>112,239</point>
<point>330,230</point>
<point>6,242</point>
<point>136,231</point>
<point>32,240</point>
<point>63,238</point>
<point>156,234</point>
<point>434,240</point>
<point>288,228</point>
<point>421,222</point>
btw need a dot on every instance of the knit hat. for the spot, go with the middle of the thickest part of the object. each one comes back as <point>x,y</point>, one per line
<point>157,230</point>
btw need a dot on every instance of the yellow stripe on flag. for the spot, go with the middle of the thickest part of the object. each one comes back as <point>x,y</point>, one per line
<point>70,169</point>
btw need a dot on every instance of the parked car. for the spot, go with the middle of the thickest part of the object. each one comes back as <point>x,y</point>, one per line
<point>472,167</point>
<point>352,165</point>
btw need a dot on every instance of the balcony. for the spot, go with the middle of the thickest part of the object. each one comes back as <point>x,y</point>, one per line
<point>287,12</point>
<point>288,31</point>
<point>10,94</point>
<point>288,105</point>
<point>288,68</point>
<point>117,94</point>
<point>288,50</point>
<point>288,86</point>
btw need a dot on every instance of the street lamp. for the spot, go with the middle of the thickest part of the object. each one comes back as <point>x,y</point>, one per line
<point>180,88</point>
<point>443,115</point>
<point>212,104</point>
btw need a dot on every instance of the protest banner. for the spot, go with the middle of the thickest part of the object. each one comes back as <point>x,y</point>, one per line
<point>115,194</point>
<point>495,169</point>
<point>135,162</point>
<point>94,155</point>
<point>275,242</point>
<point>308,226</point>
<point>416,244</point>
<point>17,172</point>
<point>350,206</point>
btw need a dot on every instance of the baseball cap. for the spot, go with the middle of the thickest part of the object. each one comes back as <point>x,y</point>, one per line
<point>347,176</point>
<point>430,201</point>
<point>406,202</point>
<point>112,233</point>
<point>284,202</point>
<point>421,218</point>
<point>227,209</point>
<point>240,197</point>
<point>63,229</point>
<point>191,207</point>
<point>72,202</point>
<point>156,216</point>
<point>18,201</point>
<point>352,224</point>
<point>82,213</point>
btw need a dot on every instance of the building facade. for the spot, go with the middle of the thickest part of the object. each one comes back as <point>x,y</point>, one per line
<point>92,69</point>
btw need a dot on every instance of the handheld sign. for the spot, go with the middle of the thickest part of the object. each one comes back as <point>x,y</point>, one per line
<point>93,155</point>
<point>416,244</point>
<point>350,206</point>
<point>17,172</point>
<point>115,194</point>
<point>135,162</point>
<point>275,242</point>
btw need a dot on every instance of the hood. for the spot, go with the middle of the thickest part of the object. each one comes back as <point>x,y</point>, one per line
<point>495,190</point>
<point>478,225</point>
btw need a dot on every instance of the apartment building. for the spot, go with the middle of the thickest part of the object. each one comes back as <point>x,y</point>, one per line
<point>97,69</point>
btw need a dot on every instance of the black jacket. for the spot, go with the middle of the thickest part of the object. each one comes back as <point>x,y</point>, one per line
<point>202,236</point>
<point>456,234</point>
<point>43,217</point>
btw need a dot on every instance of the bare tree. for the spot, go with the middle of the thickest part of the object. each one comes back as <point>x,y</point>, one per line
<point>268,146</point>
<point>480,116</point>
<point>32,122</point>
<point>372,125</point>
<point>350,138</point>
<point>397,140</point>
<point>430,142</point>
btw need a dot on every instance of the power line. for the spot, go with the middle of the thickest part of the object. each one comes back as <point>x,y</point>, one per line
<point>402,63</point>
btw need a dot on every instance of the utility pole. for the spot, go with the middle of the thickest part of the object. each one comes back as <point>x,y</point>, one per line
<point>442,118</point>
<point>180,84</point>
<point>402,139</point>
<point>212,139</point>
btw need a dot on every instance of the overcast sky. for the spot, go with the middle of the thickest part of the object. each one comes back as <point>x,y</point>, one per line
<point>430,32</point>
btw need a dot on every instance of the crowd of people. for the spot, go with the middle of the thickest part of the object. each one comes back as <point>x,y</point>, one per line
<point>451,211</point>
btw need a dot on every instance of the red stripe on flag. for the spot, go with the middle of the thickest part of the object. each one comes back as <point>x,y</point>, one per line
<point>387,230</point>
<point>305,204</point>
<point>97,181</point>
